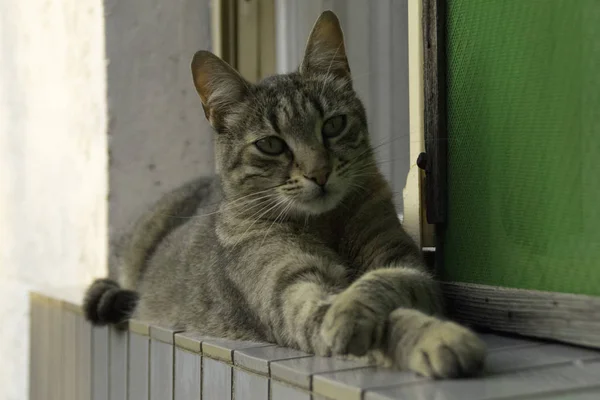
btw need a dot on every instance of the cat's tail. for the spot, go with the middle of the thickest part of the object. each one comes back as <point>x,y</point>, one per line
<point>106,303</point>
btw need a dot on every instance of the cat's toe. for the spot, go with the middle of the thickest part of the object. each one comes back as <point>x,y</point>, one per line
<point>447,350</point>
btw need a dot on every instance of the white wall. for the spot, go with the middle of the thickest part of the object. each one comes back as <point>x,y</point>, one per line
<point>53,175</point>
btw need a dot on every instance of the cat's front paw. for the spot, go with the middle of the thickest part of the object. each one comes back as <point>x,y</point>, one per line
<point>351,327</point>
<point>447,350</point>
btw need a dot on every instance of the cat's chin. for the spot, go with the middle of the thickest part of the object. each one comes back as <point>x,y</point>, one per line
<point>318,205</point>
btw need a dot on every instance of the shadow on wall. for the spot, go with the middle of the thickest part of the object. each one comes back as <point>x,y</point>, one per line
<point>159,137</point>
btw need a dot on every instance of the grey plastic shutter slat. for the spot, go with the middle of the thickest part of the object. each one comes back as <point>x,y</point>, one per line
<point>535,356</point>
<point>259,359</point>
<point>300,371</point>
<point>586,394</point>
<point>56,352</point>
<point>69,341</point>
<point>248,386</point>
<point>216,380</point>
<point>521,383</point>
<point>351,384</point>
<point>84,359</point>
<point>118,364</point>
<point>100,344</point>
<point>280,391</point>
<point>139,367</point>
<point>188,375</point>
<point>45,346</point>
<point>161,370</point>
<point>35,349</point>
<point>223,349</point>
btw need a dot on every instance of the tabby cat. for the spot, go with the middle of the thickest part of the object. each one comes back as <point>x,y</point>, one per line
<point>297,242</point>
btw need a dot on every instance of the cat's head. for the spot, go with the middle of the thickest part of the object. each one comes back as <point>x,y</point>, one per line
<point>295,142</point>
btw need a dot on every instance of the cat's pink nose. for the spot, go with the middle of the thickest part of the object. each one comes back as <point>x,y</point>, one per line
<point>319,177</point>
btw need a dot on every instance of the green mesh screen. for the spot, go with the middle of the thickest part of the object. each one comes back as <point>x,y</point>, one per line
<point>524,144</point>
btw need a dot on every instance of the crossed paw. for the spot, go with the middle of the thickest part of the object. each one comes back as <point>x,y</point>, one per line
<point>412,339</point>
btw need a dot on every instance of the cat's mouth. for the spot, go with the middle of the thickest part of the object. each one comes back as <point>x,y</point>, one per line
<point>319,200</point>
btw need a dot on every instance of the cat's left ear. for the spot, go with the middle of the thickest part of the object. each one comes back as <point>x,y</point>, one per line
<point>325,51</point>
<point>219,85</point>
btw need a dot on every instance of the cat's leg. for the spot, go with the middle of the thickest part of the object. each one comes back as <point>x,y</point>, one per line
<point>392,276</point>
<point>305,303</point>
<point>296,293</point>
<point>355,322</point>
<point>390,310</point>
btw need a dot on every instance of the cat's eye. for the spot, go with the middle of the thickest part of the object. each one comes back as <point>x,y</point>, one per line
<point>271,145</point>
<point>334,126</point>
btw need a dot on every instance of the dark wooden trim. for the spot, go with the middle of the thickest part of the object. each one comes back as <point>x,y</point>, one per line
<point>436,143</point>
<point>565,317</point>
<point>434,81</point>
<point>229,31</point>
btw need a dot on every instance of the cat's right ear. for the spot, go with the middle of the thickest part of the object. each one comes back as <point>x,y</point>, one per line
<point>325,51</point>
<point>218,84</point>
